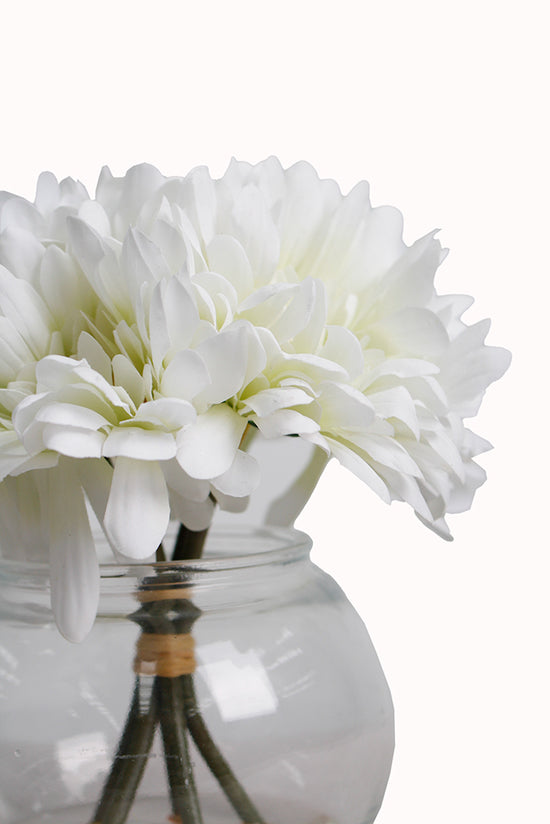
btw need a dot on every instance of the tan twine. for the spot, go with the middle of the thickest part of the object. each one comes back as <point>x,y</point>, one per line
<point>176,593</point>
<point>166,655</point>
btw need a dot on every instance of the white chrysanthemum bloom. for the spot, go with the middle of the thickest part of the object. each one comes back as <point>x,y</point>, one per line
<point>145,329</point>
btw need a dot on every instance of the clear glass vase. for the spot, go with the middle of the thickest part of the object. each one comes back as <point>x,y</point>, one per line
<point>246,676</point>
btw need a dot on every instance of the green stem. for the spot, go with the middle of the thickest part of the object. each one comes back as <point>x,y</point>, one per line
<point>185,804</point>
<point>130,760</point>
<point>189,544</point>
<point>219,767</point>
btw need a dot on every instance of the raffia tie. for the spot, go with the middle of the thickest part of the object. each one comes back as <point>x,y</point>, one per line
<point>166,655</point>
<point>161,594</point>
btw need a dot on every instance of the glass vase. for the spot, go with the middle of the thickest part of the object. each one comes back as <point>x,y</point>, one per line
<point>239,687</point>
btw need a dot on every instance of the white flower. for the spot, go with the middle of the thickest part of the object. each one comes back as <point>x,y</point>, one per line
<point>145,329</point>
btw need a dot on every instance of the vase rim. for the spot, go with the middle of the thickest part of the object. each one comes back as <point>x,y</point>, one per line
<point>264,545</point>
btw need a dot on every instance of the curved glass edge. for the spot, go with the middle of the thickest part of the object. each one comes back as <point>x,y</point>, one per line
<point>228,548</point>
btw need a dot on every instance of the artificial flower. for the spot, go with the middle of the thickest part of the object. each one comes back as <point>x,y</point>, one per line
<point>146,330</point>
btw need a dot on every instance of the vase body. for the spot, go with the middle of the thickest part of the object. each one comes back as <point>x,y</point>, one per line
<point>286,680</point>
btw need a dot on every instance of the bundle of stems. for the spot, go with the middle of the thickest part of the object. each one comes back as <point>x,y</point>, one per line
<point>164,697</point>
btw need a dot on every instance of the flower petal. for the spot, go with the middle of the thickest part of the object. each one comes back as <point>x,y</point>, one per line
<point>142,444</point>
<point>285,422</point>
<point>21,304</point>
<point>225,356</point>
<point>360,468</point>
<point>195,515</point>
<point>183,484</point>
<point>73,441</point>
<point>73,561</point>
<point>138,512</point>
<point>207,448</point>
<point>226,256</point>
<point>242,477</point>
<point>185,376</point>
<point>270,400</point>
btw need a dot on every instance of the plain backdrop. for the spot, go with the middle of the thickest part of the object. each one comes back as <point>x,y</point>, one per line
<point>443,107</point>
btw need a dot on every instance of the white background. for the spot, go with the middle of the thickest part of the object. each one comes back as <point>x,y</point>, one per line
<point>442,107</point>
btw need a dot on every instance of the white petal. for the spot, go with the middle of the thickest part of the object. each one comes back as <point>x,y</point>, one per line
<point>462,493</point>
<point>196,515</point>
<point>405,488</point>
<point>16,211</point>
<point>142,261</point>
<point>473,444</point>
<point>21,252</point>
<point>183,484</point>
<point>396,403</point>
<point>242,477</point>
<point>73,560</point>
<point>21,304</point>
<point>86,246</point>
<point>125,374</point>
<point>226,256</point>
<point>95,477</point>
<point>229,504</point>
<point>93,353</point>
<point>304,318</point>
<point>225,356</point>
<point>256,231</point>
<point>410,280</point>
<point>222,292</point>
<point>341,346</point>
<point>94,215</point>
<point>55,371</point>
<point>266,304</point>
<point>308,367</point>
<point>256,356</point>
<point>142,444</point>
<point>344,407</point>
<point>83,372</point>
<point>170,413</point>
<point>181,314</point>
<point>360,468</point>
<point>207,448</point>
<point>386,451</point>
<point>270,400</point>
<point>12,453</point>
<point>47,192</point>
<point>44,460</point>
<point>158,331</point>
<point>400,368</point>
<point>138,510</point>
<point>185,376</point>
<point>73,441</point>
<point>68,414</point>
<point>25,536</point>
<point>413,331</point>
<point>61,284</point>
<point>14,351</point>
<point>438,526</point>
<point>285,422</point>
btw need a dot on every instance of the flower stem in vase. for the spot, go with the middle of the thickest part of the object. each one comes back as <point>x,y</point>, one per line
<point>165,649</point>
<point>189,544</point>
<point>165,695</point>
<point>183,793</point>
<point>131,757</point>
<point>216,762</point>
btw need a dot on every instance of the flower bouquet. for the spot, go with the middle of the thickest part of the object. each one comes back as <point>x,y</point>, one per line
<point>151,336</point>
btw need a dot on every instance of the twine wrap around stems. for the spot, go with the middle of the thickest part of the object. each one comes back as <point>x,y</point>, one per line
<point>167,656</point>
